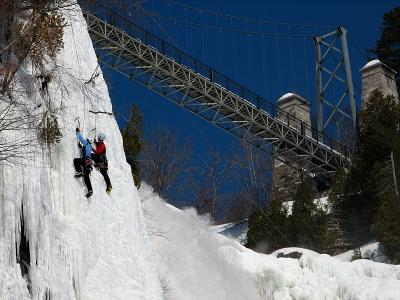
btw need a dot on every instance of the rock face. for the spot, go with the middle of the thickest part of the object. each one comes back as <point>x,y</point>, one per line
<point>72,247</point>
<point>285,178</point>
<point>295,255</point>
<point>377,75</point>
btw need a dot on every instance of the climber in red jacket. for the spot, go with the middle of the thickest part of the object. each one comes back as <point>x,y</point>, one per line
<point>100,159</point>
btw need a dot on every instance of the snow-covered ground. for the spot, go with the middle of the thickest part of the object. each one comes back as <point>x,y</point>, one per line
<point>236,231</point>
<point>321,203</point>
<point>370,251</point>
<point>80,248</point>
<point>196,262</point>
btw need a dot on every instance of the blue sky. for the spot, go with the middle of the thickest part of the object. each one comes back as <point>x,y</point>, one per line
<point>268,65</point>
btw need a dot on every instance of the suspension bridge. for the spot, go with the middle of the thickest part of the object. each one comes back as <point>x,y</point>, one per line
<point>140,55</point>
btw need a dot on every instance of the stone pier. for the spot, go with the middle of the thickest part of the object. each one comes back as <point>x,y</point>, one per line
<point>284,178</point>
<point>377,75</point>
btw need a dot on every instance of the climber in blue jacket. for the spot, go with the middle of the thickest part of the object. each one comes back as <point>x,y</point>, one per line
<point>83,165</point>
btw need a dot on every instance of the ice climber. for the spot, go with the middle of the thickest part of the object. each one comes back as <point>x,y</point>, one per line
<point>100,159</point>
<point>83,165</point>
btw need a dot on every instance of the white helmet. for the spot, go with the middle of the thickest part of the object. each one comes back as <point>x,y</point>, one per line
<point>101,137</point>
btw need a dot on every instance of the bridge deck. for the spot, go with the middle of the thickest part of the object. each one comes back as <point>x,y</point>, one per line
<point>178,77</point>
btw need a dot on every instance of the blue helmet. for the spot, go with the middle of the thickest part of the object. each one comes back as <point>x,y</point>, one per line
<point>101,137</point>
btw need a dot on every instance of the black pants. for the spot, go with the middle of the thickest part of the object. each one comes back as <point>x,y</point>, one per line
<point>103,172</point>
<point>103,169</point>
<point>80,166</point>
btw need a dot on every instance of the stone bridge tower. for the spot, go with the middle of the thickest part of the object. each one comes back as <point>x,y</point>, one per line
<point>377,75</point>
<point>284,178</point>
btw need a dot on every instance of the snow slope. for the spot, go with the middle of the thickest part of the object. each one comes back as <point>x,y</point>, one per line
<point>236,231</point>
<point>80,248</point>
<point>188,254</point>
<point>371,250</point>
<point>197,263</point>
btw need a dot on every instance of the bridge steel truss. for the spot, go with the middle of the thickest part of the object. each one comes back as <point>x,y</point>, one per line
<point>201,96</point>
<point>326,45</point>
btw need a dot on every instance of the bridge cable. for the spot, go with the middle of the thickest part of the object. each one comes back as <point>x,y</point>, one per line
<point>248,58</point>
<point>277,44</point>
<point>187,114</point>
<point>202,40</point>
<point>191,37</point>
<point>187,34</point>
<point>233,34</point>
<point>219,38</point>
<point>204,137</point>
<point>305,63</point>
<point>292,67</point>
<point>174,28</point>
<point>244,18</point>
<point>252,68</point>
<point>228,29</point>
<point>278,62</point>
<point>159,25</point>
<point>262,58</point>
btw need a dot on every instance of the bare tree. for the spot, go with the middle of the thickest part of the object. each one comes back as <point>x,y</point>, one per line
<point>13,120</point>
<point>238,208</point>
<point>164,160</point>
<point>212,178</point>
<point>252,174</point>
<point>30,31</point>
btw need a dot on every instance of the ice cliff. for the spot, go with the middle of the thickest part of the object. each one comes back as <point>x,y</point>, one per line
<point>96,248</point>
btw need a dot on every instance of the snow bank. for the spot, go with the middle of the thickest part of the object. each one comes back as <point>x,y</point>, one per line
<point>372,63</point>
<point>80,248</point>
<point>287,95</point>
<point>190,261</point>
<point>198,263</point>
<point>321,203</point>
<point>236,231</point>
<point>372,251</point>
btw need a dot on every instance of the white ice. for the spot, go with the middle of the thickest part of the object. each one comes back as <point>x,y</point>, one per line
<point>197,263</point>
<point>80,248</point>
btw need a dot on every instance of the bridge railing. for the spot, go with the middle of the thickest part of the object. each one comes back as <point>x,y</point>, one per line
<point>102,10</point>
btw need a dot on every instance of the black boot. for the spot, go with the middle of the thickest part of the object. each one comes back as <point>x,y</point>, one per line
<point>90,193</point>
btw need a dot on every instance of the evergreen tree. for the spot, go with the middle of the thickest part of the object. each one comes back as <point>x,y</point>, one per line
<point>132,138</point>
<point>387,226</point>
<point>388,46</point>
<point>359,194</point>
<point>307,226</point>
<point>268,229</point>
<point>379,129</point>
<point>388,216</point>
<point>308,222</point>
